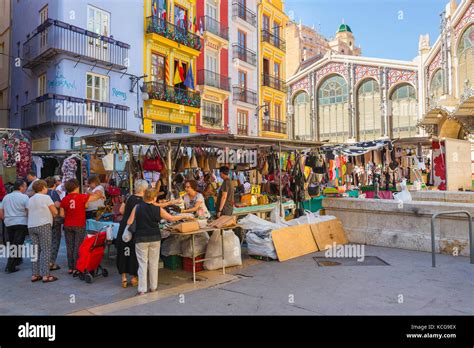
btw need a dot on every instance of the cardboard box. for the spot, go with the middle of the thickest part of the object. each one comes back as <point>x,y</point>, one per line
<point>189,226</point>
<point>327,233</point>
<point>294,241</point>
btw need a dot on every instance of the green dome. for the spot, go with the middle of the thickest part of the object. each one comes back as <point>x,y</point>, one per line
<point>344,28</point>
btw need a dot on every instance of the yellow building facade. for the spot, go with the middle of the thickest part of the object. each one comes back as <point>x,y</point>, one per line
<point>171,47</point>
<point>272,56</point>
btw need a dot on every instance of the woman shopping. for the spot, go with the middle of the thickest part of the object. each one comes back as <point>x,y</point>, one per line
<point>41,212</point>
<point>126,257</point>
<point>147,216</point>
<point>194,201</point>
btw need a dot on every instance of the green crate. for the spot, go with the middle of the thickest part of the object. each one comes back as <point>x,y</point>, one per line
<point>314,204</point>
<point>173,262</point>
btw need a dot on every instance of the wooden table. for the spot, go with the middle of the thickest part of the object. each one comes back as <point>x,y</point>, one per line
<point>194,233</point>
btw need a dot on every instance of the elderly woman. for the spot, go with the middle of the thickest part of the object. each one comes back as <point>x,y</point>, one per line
<point>126,256</point>
<point>194,201</point>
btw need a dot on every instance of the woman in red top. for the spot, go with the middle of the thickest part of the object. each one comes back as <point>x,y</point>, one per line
<point>73,209</point>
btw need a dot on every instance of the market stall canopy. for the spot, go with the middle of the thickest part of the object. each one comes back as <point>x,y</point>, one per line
<point>423,141</point>
<point>203,140</point>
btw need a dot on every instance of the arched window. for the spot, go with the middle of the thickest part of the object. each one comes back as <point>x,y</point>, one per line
<point>333,109</point>
<point>369,115</point>
<point>302,118</point>
<point>404,115</point>
<point>436,86</point>
<point>465,59</point>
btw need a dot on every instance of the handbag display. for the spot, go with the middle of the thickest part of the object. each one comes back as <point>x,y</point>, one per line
<point>152,163</point>
<point>120,160</point>
<point>186,162</point>
<point>108,161</point>
<point>207,167</point>
<point>96,165</point>
<point>212,160</point>
<point>194,162</point>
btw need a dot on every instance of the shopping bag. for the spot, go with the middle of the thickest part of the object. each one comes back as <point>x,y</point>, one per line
<point>108,161</point>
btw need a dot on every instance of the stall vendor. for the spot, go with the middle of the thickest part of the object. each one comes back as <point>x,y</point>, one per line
<point>194,201</point>
<point>225,196</point>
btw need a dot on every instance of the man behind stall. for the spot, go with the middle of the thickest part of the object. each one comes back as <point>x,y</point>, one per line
<point>225,196</point>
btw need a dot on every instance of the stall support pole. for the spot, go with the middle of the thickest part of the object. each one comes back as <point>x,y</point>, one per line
<point>282,212</point>
<point>170,170</point>
<point>80,163</point>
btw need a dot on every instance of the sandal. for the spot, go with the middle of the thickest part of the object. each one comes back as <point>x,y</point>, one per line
<point>134,281</point>
<point>54,268</point>
<point>50,279</point>
<point>36,278</point>
<point>140,294</point>
<point>71,271</point>
<point>76,273</point>
<point>124,283</point>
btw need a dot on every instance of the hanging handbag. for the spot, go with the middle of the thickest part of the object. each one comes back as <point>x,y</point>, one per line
<point>207,167</point>
<point>152,163</point>
<point>120,160</point>
<point>212,161</point>
<point>96,165</point>
<point>193,163</point>
<point>186,162</point>
<point>265,168</point>
<point>201,159</point>
<point>108,161</point>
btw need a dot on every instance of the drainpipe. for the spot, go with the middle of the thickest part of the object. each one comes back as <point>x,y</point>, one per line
<point>259,4</point>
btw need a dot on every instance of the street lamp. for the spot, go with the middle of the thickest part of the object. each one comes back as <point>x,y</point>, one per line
<point>266,114</point>
<point>134,81</point>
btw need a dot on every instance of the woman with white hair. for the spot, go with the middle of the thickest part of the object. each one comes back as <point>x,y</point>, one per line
<point>127,262</point>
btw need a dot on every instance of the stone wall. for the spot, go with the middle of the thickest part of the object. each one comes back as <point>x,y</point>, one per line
<point>408,226</point>
<point>443,196</point>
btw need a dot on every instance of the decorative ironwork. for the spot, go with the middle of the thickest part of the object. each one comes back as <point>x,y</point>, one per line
<point>244,54</point>
<point>172,32</point>
<point>273,40</point>
<point>273,82</point>
<point>274,126</point>
<point>212,79</point>
<point>241,11</point>
<point>211,25</point>
<point>244,95</point>
<point>160,91</point>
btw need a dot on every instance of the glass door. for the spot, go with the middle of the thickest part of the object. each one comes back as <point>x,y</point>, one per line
<point>98,21</point>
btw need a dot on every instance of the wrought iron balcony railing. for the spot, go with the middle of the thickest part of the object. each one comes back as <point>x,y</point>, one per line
<point>274,126</point>
<point>212,79</point>
<point>211,25</point>
<point>61,109</point>
<point>244,95</point>
<point>241,11</point>
<point>55,37</point>
<point>242,129</point>
<point>273,40</point>
<point>273,82</point>
<point>244,54</point>
<point>163,92</point>
<point>172,32</point>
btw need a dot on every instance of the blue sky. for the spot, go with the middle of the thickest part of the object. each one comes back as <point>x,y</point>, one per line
<point>384,28</point>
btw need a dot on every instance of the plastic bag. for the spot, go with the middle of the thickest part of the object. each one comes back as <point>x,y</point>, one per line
<point>127,235</point>
<point>254,223</point>
<point>276,217</point>
<point>172,245</point>
<point>232,252</point>
<point>200,245</point>
<point>404,195</point>
<point>261,244</point>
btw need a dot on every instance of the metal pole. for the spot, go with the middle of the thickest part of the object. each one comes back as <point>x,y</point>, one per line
<point>170,170</point>
<point>223,258</point>
<point>194,260</point>
<point>80,163</point>
<point>471,237</point>
<point>282,212</point>
<point>131,172</point>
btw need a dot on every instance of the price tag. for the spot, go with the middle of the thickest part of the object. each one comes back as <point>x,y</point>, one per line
<point>255,190</point>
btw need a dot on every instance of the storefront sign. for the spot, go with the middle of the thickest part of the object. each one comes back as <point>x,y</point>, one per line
<point>61,81</point>
<point>119,94</point>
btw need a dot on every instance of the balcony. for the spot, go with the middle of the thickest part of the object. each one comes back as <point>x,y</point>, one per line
<point>60,109</point>
<point>212,79</point>
<point>273,82</point>
<point>274,126</point>
<point>244,95</point>
<point>211,25</point>
<point>241,11</point>
<point>244,54</point>
<point>162,92</point>
<point>54,37</point>
<point>273,40</point>
<point>157,25</point>
<point>242,129</point>
<point>212,121</point>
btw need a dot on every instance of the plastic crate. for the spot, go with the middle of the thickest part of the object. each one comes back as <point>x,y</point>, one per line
<point>173,262</point>
<point>188,264</point>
